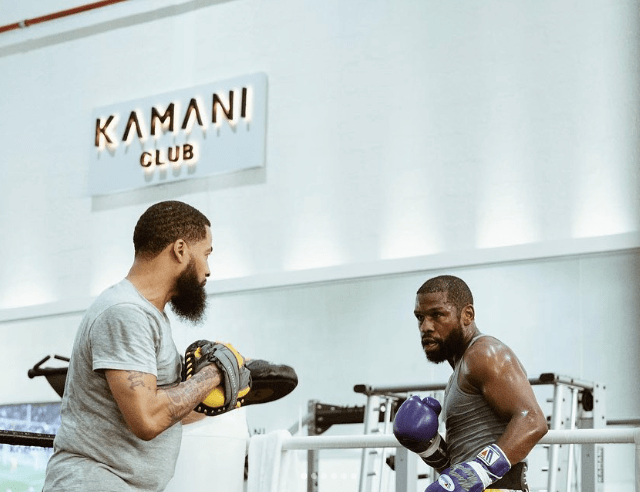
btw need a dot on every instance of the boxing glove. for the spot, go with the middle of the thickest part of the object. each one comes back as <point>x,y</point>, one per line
<point>489,466</point>
<point>416,428</point>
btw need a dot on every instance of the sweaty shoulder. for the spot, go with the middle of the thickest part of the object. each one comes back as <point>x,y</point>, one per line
<point>488,358</point>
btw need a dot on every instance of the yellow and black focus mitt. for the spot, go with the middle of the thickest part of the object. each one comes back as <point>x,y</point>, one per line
<point>266,381</point>
<point>269,381</point>
<point>236,378</point>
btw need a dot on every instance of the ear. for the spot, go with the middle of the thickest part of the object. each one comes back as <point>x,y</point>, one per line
<point>468,314</point>
<point>180,251</point>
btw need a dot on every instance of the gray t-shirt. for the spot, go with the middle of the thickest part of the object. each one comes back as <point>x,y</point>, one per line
<point>94,449</point>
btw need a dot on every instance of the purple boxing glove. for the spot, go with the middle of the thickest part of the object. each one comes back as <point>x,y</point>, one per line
<point>416,428</point>
<point>489,466</point>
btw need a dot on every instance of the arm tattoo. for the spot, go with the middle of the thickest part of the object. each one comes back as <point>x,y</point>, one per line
<point>186,396</point>
<point>135,379</point>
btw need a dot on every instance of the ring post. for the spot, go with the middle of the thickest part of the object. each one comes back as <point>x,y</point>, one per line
<point>636,438</point>
<point>312,454</point>
<point>406,470</point>
<point>556,424</point>
<point>572,426</point>
<point>367,473</point>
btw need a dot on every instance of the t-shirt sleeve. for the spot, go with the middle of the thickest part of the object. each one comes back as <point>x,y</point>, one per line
<point>124,338</point>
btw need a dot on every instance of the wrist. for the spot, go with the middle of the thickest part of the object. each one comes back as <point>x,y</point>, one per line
<point>494,461</point>
<point>214,372</point>
<point>436,454</point>
<point>209,375</point>
<point>432,447</point>
<point>475,475</point>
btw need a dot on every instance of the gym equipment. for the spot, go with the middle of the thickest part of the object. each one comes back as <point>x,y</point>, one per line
<point>586,410</point>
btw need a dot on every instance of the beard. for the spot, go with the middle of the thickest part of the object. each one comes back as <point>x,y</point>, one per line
<point>190,300</point>
<point>453,345</point>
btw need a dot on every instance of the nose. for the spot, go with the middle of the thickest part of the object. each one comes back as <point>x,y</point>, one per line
<point>426,326</point>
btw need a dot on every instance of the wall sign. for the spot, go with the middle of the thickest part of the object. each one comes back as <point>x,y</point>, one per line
<point>192,133</point>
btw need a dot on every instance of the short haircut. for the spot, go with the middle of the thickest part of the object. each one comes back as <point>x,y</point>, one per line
<point>166,222</point>
<point>458,292</point>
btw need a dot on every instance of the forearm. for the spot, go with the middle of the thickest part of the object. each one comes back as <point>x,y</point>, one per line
<point>522,433</point>
<point>179,401</point>
<point>149,410</point>
<point>193,417</point>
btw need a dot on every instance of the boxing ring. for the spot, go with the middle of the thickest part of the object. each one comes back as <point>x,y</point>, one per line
<point>575,406</point>
<point>405,464</point>
<point>405,470</point>
<point>268,462</point>
<point>406,473</point>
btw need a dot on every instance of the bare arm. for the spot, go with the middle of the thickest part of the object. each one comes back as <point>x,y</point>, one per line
<point>192,418</point>
<point>149,410</point>
<point>494,370</point>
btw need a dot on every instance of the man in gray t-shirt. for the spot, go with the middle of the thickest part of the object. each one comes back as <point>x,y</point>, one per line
<point>124,402</point>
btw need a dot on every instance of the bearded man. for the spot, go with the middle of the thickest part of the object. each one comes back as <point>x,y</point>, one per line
<point>124,401</point>
<point>491,415</point>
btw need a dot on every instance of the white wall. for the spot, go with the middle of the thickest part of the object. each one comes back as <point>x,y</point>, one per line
<point>495,139</point>
<point>394,130</point>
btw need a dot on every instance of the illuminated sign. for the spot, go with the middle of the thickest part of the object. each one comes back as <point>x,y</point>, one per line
<point>192,133</point>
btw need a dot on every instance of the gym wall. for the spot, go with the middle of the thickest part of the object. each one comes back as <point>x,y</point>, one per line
<point>494,140</point>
